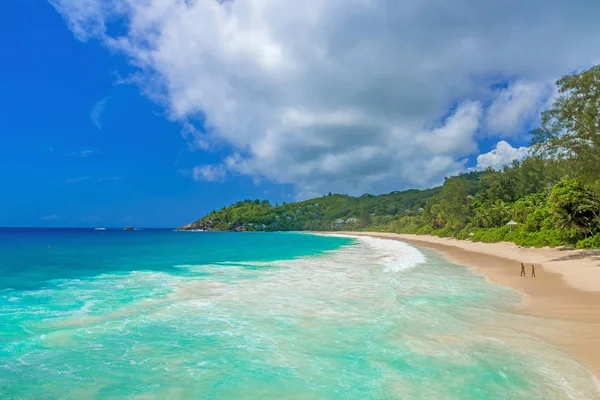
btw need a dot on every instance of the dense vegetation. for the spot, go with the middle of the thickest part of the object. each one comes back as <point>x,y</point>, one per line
<point>333,211</point>
<point>553,195</point>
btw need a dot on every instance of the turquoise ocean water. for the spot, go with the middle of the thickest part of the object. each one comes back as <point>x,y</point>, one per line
<point>196,315</point>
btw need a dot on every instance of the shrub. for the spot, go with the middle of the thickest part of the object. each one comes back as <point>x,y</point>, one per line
<point>593,242</point>
<point>542,238</point>
<point>444,232</point>
<point>490,235</point>
<point>425,230</point>
<point>572,236</point>
<point>466,233</point>
<point>540,218</point>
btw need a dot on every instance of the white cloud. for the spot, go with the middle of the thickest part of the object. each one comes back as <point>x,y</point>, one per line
<point>196,139</point>
<point>516,106</point>
<point>457,135</point>
<point>52,217</point>
<point>344,96</point>
<point>209,173</point>
<point>84,153</point>
<point>98,109</point>
<point>503,154</point>
<point>84,17</point>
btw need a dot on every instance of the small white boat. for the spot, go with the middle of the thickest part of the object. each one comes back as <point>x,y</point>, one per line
<point>99,229</point>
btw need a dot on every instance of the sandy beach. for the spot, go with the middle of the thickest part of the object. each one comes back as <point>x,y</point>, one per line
<point>564,297</point>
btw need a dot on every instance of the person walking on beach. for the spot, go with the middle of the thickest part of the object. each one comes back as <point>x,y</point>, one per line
<point>523,270</point>
<point>532,271</point>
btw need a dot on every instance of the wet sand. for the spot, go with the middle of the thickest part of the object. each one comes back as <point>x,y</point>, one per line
<point>563,300</point>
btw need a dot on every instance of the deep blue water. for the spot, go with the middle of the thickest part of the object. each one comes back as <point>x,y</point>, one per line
<point>30,257</point>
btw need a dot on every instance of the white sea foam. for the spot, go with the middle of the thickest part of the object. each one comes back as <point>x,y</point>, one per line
<point>394,255</point>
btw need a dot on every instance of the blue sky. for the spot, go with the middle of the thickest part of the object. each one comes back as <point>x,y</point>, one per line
<point>60,169</point>
<point>282,102</point>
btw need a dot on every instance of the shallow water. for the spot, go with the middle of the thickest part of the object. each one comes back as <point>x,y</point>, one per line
<point>184,315</point>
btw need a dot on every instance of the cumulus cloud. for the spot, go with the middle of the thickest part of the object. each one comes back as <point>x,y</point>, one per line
<point>516,106</point>
<point>209,173</point>
<point>348,96</point>
<point>457,135</point>
<point>503,154</point>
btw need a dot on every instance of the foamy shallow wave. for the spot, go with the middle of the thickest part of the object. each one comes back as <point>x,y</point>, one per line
<point>394,255</point>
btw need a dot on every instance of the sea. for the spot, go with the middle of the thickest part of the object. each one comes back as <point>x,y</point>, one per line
<point>159,314</point>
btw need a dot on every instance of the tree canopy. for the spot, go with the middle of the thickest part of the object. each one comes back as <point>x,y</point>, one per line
<point>570,129</point>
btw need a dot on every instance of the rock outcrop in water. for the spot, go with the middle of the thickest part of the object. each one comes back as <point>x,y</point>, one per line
<point>204,224</point>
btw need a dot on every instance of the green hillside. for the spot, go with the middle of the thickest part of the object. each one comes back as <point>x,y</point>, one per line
<point>553,195</point>
<point>324,213</point>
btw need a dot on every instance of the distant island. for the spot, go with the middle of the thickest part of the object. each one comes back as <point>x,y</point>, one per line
<point>551,198</point>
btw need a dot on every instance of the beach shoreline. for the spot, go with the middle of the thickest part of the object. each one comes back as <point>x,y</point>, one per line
<point>563,300</point>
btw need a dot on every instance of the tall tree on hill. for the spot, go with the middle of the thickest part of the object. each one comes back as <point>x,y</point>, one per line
<point>570,129</point>
<point>454,202</point>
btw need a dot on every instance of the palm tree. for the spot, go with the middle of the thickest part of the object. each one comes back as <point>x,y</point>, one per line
<point>482,217</point>
<point>587,216</point>
<point>500,212</point>
<point>565,220</point>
